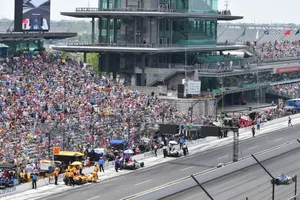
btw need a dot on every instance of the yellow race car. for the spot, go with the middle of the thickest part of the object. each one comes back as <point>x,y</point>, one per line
<point>89,178</point>
<point>81,179</point>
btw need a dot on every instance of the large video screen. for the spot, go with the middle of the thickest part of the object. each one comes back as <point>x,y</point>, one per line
<point>36,15</point>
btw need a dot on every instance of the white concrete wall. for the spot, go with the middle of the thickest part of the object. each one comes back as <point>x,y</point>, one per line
<point>203,107</point>
<point>157,90</point>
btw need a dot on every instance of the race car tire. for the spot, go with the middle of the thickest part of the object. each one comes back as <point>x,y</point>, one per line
<point>142,164</point>
<point>294,178</point>
<point>78,181</point>
<point>65,181</point>
<point>272,181</point>
<point>277,182</point>
<point>2,187</point>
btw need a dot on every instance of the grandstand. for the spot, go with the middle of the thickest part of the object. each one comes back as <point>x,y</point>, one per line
<point>231,32</point>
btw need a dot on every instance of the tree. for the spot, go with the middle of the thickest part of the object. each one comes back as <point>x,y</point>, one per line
<point>65,54</point>
<point>92,60</point>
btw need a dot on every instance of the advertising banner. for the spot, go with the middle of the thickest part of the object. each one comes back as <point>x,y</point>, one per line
<point>286,70</point>
<point>36,15</point>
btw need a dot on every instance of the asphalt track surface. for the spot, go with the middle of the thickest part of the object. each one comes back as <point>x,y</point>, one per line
<point>145,179</point>
<point>252,182</point>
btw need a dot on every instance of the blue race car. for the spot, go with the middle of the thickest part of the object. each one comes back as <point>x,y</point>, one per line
<point>283,180</point>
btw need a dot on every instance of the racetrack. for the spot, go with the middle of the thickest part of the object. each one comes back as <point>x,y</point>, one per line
<point>145,179</point>
<point>252,182</point>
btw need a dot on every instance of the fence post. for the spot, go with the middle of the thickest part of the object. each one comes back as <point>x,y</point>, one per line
<point>296,180</point>
<point>273,179</point>
<point>202,187</point>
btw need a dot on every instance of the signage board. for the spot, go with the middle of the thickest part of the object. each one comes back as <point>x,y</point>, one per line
<point>193,87</point>
<point>286,70</point>
<point>56,150</point>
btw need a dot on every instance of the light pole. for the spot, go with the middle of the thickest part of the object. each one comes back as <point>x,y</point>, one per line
<point>192,107</point>
<point>49,139</point>
<point>258,92</point>
<point>93,131</point>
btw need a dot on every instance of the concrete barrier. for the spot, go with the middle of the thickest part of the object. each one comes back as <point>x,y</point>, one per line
<point>24,187</point>
<point>187,183</point>
<point>8,190</point>
<point>273,122</point>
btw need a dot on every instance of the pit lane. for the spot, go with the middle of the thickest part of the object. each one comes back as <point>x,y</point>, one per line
<point>145,179</point>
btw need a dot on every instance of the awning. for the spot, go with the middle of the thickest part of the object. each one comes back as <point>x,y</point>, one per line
<point>289,107</point>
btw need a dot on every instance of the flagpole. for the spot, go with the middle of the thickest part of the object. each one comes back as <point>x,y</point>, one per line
<point>267,29</point>
<point>222,33</point>
<point>285,35</point>
<point>239,36</point>
<point>261,37</point>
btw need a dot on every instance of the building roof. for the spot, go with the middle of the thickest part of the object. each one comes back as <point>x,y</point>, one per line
<point>167,13</point>
<point>14,36</point>
<point>145,48</point>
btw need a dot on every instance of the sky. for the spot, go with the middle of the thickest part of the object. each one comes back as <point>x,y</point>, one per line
<point>254,11</point>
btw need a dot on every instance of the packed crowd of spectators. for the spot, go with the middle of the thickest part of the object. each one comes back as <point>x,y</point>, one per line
<point>288,90</point>
<point>7,178</point>
<point>276,50</point>
<point>263,77</point>
<point>46,95</point>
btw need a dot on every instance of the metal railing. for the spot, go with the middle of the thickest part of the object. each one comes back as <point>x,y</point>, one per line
<point>129,9</point>
<point>127,45</point>
<point>162,78</point>
<point>147,45</point>
<point>286,82</point>
<point>235,90</point>
<point>266,60</point>
<point>203,67</point>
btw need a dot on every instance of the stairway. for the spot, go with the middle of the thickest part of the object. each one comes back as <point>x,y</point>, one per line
<point>129,24</point>
<point>273,92</point>
<point>163,78</point>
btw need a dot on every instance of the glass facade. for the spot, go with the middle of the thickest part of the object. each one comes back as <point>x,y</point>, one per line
<point>202,6</point>
<point>109,4</point>
<point>194,32</point>
<point>187,31</point>
<point>24,45</point>
<point>108,34</point>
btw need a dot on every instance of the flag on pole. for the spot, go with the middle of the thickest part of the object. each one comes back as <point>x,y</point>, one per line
<point>266,32</point>
<point>297,32</point>
<point>257,34</point>
<point>287,32</point>
<point>244,32</point>
<point>277,32</point>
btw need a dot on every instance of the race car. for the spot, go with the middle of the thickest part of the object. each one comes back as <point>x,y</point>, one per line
<point>174,153</point>
<point>81,179</point>
<point>220,165</point>
<point>78,180</point>
<point>89,178</point>
<point>283,180</point>
<point>132,165</point>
